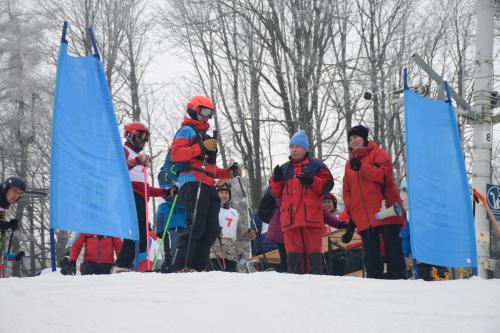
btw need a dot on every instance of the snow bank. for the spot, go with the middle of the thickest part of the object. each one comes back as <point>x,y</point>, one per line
<point>259,302</point>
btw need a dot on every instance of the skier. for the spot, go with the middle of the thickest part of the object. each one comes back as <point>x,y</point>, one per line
<point>195,155</point>
<point>136,135</point>
<point>10,192</point>
<point>224,254</point>
<point>368,180</point>
<point>98,256</point>
<point>301,184</point>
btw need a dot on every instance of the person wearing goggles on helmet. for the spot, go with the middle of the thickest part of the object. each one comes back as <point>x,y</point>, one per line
<point>194,154</point>
<point>136,135</point>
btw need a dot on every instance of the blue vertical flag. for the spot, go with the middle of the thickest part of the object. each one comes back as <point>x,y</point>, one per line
<point>90,188</point>
<point>440,204</point>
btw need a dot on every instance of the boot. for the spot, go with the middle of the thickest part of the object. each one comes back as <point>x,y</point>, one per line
<point>315,263</point>
<point>294,262</point>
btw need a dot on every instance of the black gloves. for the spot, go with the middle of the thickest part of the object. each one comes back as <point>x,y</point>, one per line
<point>72,267</point>
<point>171,191</point>
<point>12,224</point>
<point>347,237</point>
<point>278,173</point>
<point>235,170</point>
<point>355,164</point>
<point>305,179</point>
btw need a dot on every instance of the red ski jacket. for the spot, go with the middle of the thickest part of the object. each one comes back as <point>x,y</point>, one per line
<point>302,206</point>
<point>186,148</point>
<point>98,249</point>
<point>364,190</point>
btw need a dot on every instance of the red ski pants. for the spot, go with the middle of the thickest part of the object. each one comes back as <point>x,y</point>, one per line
<point>303,240</point>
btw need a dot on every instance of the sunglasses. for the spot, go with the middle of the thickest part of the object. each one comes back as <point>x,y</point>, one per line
<point>206,112</point>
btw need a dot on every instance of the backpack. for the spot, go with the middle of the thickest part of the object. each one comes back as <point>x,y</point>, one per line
<point>167,177</point>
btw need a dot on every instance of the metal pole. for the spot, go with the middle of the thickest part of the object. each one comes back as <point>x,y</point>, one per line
<point>482,143</point>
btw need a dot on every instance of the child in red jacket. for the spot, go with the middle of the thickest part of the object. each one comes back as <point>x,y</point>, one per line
<point>99,253</point>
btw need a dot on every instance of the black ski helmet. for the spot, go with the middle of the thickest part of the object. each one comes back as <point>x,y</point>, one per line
<point>15,182</point>
<point>224,186</point>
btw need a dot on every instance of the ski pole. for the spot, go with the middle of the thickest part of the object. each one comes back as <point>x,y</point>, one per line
<point>164,232</point>
<point>2,239</point>
<point>146,199</point>
<point>8,251</point>
<point>203,165</point>
<point>249,218</point>
<point>221,255</point>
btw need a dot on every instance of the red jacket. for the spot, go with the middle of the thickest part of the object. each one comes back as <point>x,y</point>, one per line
<point>302,206</point>
<point>363,190</point>
<point>186,148</point>
<point>98,249</point>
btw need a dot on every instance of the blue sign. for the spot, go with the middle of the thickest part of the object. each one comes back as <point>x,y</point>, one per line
<point>493,198</point>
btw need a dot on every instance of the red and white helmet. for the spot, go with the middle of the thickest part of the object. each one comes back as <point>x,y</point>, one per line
<point>201,105</point>
<point>136,133</point>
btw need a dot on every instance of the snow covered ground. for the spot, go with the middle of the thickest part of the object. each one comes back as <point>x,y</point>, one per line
<point>232,302</point>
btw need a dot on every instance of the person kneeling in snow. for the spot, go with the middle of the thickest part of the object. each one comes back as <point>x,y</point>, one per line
<point>137,135</point>
<point>98,256</point>
<point>224,254</point>
<point>301,184</point>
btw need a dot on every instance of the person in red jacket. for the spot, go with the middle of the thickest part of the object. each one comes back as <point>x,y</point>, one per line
<point>367,181</point>
<point>301,184</point>
<point>99,253</point>
<point>195,153</point>
<point>137,134</point>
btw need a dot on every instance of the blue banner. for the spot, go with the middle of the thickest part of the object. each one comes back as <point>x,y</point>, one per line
<point>90,189</point>
<point>439,200</point>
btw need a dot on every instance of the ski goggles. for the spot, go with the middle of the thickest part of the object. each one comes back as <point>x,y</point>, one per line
<point>143,136</point>
<point>206,112</point>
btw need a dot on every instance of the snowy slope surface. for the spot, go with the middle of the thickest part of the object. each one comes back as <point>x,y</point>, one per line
<point>230,302</point>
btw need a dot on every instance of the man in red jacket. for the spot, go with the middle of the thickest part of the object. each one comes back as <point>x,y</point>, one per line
<point>99,253</point>
<point>137,134</point>
<point>368,180</point>
<point>301,184</point>
<point>194,154</point>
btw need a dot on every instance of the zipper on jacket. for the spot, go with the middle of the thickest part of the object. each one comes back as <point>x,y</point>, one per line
<point>363,201</point>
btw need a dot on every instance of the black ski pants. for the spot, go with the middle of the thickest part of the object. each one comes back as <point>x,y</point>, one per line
<point>393,252</point>
<point>204,229</point>
<point>127,253</point>
<point>90,268</point>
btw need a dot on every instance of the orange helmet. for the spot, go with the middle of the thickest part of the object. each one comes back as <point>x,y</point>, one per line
<point>136,133</point>
<point>201,105</point>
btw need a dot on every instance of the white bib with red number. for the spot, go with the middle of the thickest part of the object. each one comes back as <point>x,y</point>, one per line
<point>228,220</point>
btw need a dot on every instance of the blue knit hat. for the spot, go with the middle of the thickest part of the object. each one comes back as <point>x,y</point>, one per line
<point>300,138</point>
